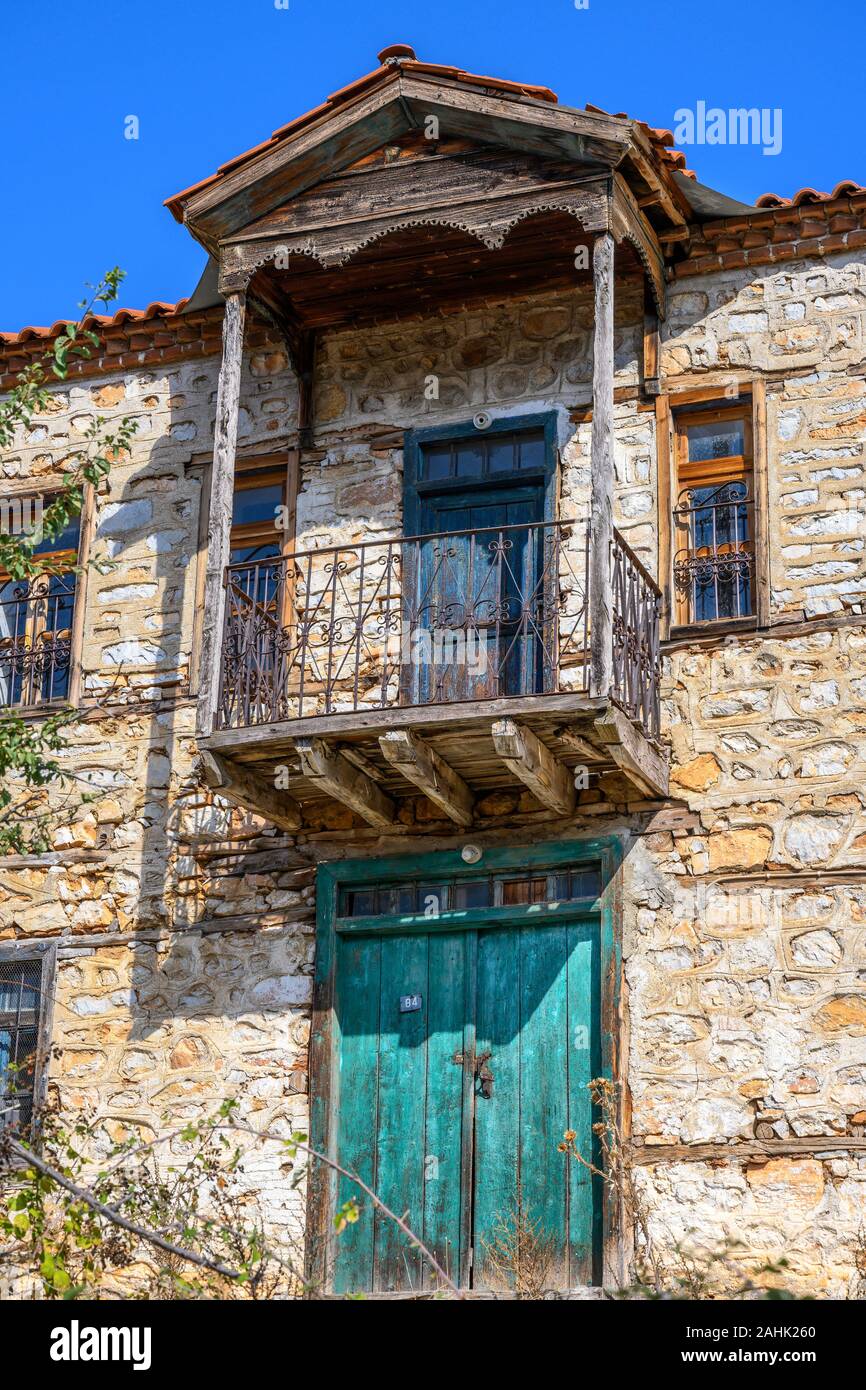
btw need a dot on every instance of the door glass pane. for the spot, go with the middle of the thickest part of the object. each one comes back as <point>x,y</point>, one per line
<point>501,456</point>
<point>475,893</point>
<point>472,892</point>
<point>436,462</point>
<point>470,461</point>
<point>532,451</point>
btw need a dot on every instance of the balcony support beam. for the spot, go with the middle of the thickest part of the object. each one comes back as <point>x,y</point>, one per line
<point>532,762</point>
<point>601,517</point>
<point>248,791</point>
<point>423,766</point>
<point>220,514</point>
<point>334,774</point>
<point>637,759</point>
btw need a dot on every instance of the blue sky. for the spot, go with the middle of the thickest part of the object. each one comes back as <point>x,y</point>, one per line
<point>209,78</point>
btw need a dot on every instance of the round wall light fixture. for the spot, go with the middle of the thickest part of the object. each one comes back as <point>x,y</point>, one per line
<point>483,420</point>
<point>470,854</point>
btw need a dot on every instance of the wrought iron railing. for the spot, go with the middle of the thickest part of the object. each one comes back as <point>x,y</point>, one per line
<point>714,565</point>
<point>35,639</point>
<point>467,615</point>
<point>636,655</point>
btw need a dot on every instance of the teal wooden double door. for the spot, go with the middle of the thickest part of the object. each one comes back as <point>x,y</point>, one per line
<point>463,1058</point>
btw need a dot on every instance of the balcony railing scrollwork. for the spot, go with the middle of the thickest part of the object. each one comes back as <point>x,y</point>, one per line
<point>462,616</point>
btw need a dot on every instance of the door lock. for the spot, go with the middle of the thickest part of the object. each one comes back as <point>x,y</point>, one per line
<point>480,1071</point>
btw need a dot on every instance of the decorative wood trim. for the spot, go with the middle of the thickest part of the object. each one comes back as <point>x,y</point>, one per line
<point>761,482</point>
<point>628,223</point>
<point>248,791</point>
<point>424,767</point>
<point>220,512</point>
<point>532,762</point>
<point>601,519</point>
<point>346,783</point>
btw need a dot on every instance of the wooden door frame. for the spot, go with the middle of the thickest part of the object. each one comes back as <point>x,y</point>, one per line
<point>331,878</point>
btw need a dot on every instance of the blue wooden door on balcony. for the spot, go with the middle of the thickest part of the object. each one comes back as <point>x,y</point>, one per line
<point>478,592</point>
<point>453,1110</point>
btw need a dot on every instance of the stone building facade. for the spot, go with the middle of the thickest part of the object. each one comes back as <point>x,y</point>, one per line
<point>183,925</point>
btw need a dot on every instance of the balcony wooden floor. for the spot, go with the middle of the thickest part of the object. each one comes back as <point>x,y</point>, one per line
<point>370,760</point>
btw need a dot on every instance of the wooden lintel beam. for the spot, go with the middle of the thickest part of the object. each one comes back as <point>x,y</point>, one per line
<point>247,790</point>
<point>424,767</point>
<point>333,772</point>
<point>532,762</point>
<point>632,752</point>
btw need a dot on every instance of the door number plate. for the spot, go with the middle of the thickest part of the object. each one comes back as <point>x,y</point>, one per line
<point>410,1003</point>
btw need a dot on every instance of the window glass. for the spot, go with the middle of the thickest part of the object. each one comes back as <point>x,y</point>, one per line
<point>423,896</point>
<point>716,440</point>
<point>20,983</point>
<point>256,504</point>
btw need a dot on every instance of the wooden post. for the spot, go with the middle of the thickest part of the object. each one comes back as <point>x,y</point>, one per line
<point>601,518</point>
<point>220,514</point>
<point>76,640</point>
<point>651,382</point>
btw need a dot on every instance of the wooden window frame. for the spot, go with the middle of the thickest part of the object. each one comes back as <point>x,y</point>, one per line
<point>674,411</point>
<point>251,468</point>
<point>45,954</point>
<point>79,564</point>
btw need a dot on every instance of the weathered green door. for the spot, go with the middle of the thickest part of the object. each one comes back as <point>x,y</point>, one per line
<point>463,1057</point>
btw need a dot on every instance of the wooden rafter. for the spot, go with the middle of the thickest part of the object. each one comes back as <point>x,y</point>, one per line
<point>424,767</point>
<point>330,770</point>
<point>532,762</point>
<point>250,792</point>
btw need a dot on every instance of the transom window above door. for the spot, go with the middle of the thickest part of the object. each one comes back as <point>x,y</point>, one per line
<point>482,457</point>
<point>490,890</point>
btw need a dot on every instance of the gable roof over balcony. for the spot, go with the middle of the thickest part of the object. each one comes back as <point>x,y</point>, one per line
<point>400,96</point>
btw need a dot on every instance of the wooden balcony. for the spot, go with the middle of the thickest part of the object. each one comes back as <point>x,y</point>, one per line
<point>454,663</point>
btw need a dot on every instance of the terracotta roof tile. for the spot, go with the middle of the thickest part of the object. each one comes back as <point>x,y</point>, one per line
<point>845,189</point>
<point>158,310</point>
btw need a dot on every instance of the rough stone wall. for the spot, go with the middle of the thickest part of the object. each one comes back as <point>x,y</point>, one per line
<point>745,1007</point>
<point>804,326</point>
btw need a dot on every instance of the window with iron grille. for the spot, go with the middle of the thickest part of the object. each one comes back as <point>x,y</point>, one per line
<point>714,518</point>
<point>20,1015</point>
<point>36,626</point>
